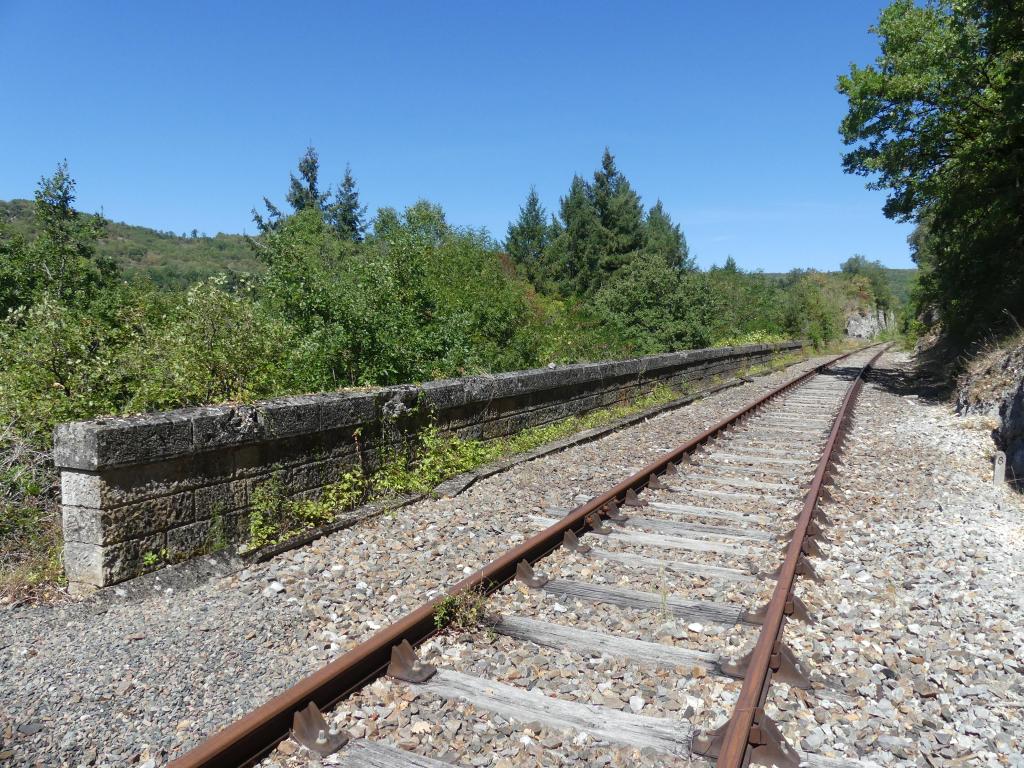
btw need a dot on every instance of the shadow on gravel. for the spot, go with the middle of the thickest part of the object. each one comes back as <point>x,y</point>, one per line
<point>922,378</point>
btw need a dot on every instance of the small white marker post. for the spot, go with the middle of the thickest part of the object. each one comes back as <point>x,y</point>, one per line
<point>999,469</point>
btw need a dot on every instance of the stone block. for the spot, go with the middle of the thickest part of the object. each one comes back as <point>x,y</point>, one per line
<point>98,566</point>
<point>84,525</point>
<point>147,517</point>
<point>83,563</point>
<point>111,442</point>
<point>442,396</point>
<point>347,409</point>
<point>305,476</point>
<point>225,426</point>
<point>188,540</point>
<point>125,485</point>
<point>125,560</point>
<point>220,499</point>
<point>81,489</point>
<point>288,416</point>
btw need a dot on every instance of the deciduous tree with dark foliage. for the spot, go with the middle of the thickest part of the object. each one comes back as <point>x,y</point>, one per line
<point>938,122</point>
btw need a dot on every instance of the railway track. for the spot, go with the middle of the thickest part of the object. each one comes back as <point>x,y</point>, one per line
<point>645,626</point>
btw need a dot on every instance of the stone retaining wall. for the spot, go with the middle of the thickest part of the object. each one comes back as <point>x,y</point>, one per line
<point>139,488</point>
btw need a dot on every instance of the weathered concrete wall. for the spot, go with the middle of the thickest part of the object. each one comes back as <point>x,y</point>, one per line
<point>160,483</point>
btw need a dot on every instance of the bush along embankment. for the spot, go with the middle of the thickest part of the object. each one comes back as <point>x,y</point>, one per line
<point>341,302</point>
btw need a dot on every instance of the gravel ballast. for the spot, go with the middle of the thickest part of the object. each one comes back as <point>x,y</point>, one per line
<point>920,621</point>
<point>916,652</point>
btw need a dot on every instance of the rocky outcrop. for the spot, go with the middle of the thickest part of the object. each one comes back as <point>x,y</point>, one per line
<point>865,324</point>
<point>993,386</point>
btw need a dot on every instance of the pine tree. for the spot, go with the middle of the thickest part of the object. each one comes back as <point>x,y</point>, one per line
<point>577,249</point>
<point>529,237</point>
<point>345,214</point>
<point>304,193</point>
<point>665,239</point>
<point>621,215</point>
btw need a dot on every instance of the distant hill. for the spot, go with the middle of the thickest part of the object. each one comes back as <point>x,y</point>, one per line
<point>169,260</point>
<point>900,281</point>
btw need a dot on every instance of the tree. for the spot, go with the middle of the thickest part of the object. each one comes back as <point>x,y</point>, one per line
<point>304,192</point>
<point>345,214</point>
<point>529,237</point>
<point>938,122</point>
<point>62,261</point>
<point>666,239</point>
<point>620,213</point>
<point>875,275</point>
<point>652,306</point>
<point>16,280</point>
<point>577,249</point>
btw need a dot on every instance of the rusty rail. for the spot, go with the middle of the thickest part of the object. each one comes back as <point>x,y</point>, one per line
<point>750,735</point>
<point>256,733</point>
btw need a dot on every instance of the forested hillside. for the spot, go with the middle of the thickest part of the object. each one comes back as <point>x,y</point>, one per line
<point>900,282</point>
<point>169,260</point>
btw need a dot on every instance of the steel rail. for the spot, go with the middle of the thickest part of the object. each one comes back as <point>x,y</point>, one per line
<point>254,734</point>
<point>742,734</point>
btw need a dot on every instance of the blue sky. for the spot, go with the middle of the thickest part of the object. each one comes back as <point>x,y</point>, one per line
<point>185,114</point>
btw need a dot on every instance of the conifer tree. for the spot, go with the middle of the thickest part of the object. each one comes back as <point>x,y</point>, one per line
<point>621,215</point>
<point>577,249</point>
<point>529,237</point>
<point>63,257</point>
<point>304,193</point>
<point>665,239</point>
<point>345,214</point>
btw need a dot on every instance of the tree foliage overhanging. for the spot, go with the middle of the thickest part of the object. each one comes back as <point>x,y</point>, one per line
<point>938,122</point>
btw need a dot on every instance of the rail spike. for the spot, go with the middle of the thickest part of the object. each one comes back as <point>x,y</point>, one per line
<point>526,575</point>
<point>795,609</point>
<point>815,531</point>
<point>572,542</point>
<point>406,666</point>
<point>785,667</point>
<point>612,512</point>
<point>810,548</point>
<point>310,729</point>
<point>803,568</point>
<point>597,524</point>
<point>632,500</point>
